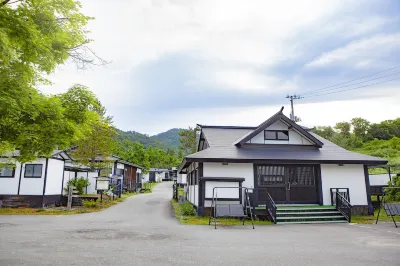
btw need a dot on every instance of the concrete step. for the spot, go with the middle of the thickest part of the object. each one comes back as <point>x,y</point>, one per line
<point>313,222</point>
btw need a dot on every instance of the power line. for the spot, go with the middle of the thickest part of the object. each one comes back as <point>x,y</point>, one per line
<point>351,88</point>
<point>310,93</point>
<point>322,89</point>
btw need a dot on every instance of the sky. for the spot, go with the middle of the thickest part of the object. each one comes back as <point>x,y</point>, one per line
<point>178,63</point>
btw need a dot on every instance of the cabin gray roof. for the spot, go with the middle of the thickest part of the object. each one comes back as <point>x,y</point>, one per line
<point>222,142</point>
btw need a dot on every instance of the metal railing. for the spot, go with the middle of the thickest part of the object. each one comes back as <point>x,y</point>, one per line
<point>343,191</point>
<point>343,206</point>
<point>271,208</point>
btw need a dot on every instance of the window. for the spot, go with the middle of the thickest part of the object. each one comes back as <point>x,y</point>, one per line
<point>33,170</point>
<point>7,171</point>
<point>276,135</point>
<point>271,175</point>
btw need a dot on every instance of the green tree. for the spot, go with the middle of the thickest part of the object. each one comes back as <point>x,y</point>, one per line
<point>325,132</point>
<point>343,128</point>
<point>360,127</point>
<point>35,37</point>
<point>96,147</point>
<point>188,140</point>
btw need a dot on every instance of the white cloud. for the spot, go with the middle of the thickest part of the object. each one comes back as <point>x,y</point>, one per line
<point>360,52</point>
<point>235,46</point>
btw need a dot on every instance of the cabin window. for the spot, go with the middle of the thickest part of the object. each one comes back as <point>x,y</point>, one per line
<point>33,170</point>
<point>7,171</point>
<point>276,135</point>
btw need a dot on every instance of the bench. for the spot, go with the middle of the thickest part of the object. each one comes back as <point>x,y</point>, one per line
<point>230,210</point>
<point>391,209</point>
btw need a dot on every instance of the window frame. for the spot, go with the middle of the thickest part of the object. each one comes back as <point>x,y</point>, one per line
<point>41,170</point>
<point>276,135</point>
<point>13,172</point>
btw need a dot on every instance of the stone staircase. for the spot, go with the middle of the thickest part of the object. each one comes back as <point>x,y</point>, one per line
<point>308,215</point>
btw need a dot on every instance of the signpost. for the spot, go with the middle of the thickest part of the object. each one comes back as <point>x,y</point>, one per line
<point>102,184</point>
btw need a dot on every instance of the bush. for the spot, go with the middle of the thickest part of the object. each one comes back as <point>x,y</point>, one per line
<point>186,209</point>
<point>80,184</point>
<point>91,204</point>
<point>394,193</point>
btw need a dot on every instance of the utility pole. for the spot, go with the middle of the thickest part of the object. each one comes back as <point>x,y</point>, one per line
<point>292,98</point>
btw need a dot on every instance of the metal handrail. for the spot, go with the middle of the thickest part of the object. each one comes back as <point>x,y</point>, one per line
<point>271,209</point>
<point>346,211</point>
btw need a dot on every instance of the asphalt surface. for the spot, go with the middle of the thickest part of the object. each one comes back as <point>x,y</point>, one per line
<point>143,231</point>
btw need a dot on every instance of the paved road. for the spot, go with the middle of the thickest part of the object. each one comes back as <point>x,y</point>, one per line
<point>142,231</point>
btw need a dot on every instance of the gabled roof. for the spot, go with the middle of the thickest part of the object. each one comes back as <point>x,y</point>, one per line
<point>279,116</point>
<point>223,147</point>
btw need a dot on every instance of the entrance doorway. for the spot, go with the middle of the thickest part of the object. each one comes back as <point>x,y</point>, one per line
<point>287,184</point>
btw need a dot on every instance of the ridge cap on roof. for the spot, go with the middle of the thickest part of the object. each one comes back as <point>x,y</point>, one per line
<point>271,120</point>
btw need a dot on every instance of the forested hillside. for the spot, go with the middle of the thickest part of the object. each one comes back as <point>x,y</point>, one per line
<point>379,139</point>
<point>164,140</point>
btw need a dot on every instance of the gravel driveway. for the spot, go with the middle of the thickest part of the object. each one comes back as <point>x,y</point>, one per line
<point>142,231</point>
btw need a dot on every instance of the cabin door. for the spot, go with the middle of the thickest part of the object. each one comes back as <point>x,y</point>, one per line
<point>287,184</point>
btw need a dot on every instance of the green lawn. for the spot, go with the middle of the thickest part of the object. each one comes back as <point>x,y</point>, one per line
<point>371,219</point>
<point>63,210</point>
<point>201,220</point>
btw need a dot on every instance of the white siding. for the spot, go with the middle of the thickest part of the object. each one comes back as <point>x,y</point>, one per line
<point>244,170</point>
<point>230,193</point>
<point>55,172</point>
<point>347,176</point>
<point>9,186</point>
<point>379,180</point>
<point>91,189</point>
<point>193,194</point>
<point>33,186</point>
<point>294,137</point>
<point>181,179</point>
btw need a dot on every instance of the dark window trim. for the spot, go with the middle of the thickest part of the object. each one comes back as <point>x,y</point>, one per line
<point>276,135</point>
<point>41,172</point>
<point>13,173</point>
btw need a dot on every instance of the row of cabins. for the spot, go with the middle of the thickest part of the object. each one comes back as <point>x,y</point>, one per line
<point>278,159</point>
<point>41,183</point>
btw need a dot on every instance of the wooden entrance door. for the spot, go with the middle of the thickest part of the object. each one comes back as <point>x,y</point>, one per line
<point>287,183</point>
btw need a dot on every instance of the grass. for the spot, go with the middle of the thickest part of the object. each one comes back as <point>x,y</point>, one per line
<point>371,219</point>
<point>152,185</point>
<point>63,210</point>
<point>202,220</point>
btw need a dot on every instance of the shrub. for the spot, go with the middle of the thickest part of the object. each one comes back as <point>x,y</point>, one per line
<point>186,209</point>
<point>79,183</point>
<point>91,204</point>
<point>394,193</point>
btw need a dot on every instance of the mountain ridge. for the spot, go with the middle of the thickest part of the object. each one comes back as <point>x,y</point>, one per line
<point>164,140</point>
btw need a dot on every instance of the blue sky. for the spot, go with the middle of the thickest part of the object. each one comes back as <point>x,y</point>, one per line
<point>177,63</point>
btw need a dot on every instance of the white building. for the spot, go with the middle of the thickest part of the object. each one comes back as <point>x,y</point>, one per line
<point>277,159</point>
<point>41,183</point>
<point>38,183</point>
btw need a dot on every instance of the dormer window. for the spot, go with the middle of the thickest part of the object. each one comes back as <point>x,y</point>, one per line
<point>276,134</point>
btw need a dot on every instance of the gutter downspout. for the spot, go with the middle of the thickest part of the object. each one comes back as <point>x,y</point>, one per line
<point>45,180</point>
<point>20,176</point>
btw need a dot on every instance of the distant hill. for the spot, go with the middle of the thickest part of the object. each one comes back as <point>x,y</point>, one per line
<point>164,140</point>
<point>170,137</point>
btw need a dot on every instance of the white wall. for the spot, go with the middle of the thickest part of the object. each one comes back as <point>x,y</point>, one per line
<point>230,193</point>
<point>145,178</point>
<point>193,194</point>
<point>380,180</point>
<point>33,186</point>
<point>294,137</point>
<point>244,170</point>
<point>182,179</point>
<point>91,189</point>
<point>9,186</point>
<point>348,176</point>
<point>55,172</point>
